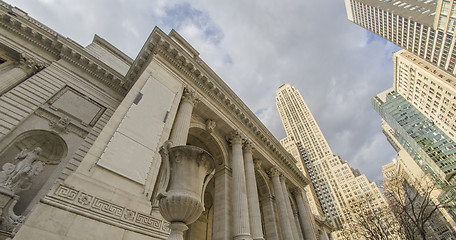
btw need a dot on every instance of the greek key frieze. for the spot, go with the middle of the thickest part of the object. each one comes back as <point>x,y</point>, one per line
<point>73,197</point>
<point>148,221</point>
<point>66,192</point>
<point>107,207</point>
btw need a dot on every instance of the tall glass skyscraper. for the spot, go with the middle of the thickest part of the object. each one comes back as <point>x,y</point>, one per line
<point>425,28</point>
<point>431,148</point>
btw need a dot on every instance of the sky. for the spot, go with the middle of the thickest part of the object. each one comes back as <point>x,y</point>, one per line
<point>255,46</point>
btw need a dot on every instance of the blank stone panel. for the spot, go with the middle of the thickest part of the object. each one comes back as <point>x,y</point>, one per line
<point>77,105</point>
<point>130,151</point>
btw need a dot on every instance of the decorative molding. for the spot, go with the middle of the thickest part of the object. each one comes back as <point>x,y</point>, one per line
<point>61,126</point>
<point>13,20</point>
<point>85,204</point>
<point>54,122</point>
<point>95,118</point>
<point>29,63</point>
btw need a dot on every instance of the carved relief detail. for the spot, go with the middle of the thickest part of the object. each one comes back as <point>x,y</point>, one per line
<point>28,62</point>
<point>70,196</point>
<point>59,124</point>
<point>210,125</point>
<point>85,199</point>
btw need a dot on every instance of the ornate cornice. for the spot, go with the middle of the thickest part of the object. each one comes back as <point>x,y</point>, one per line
<point>189,65</point>
<point>60,47</point>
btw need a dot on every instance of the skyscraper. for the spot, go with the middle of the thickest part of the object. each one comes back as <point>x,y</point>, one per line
<point>431,148</point>
<point>337,185</point>
<point>422,148</point>
<point>425,28</point>
<point>405,167</point>
<point>429,89</point>
<point>302,129</point>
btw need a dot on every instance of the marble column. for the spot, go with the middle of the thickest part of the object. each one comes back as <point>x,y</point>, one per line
<point>289,209</point>
<point>221,228</point>
<point>241,224</point>
<point>270,218</point>
<point>181,125</point>
<point>26,67</point>
<point>298,225</point>
<point>252,193</point>
<point>285,223</point>
<point>304,215</point>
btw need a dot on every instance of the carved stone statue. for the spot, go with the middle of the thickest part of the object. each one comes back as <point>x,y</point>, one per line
<point>16,177</point>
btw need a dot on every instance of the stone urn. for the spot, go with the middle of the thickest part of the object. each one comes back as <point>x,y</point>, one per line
<point>188,170</point>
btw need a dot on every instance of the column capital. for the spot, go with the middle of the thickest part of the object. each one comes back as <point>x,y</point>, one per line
<point>190,96</point>
<point>235,137</point>
<point>275,172</point>
<point>248,146</point>
<point>296,191</point>
<point>283,178</point>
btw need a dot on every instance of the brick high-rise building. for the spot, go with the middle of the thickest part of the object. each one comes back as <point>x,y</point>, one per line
<point>337,186</point>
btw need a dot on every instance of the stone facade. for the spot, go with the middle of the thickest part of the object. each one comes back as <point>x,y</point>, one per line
<point>100,119</point>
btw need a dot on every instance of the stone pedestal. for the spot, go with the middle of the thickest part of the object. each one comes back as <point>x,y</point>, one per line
<point>9,220</point>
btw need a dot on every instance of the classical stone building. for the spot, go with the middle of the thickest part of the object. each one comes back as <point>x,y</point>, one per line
<point>96,145</point>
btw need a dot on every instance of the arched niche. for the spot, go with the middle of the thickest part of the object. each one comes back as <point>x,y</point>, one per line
<point>201,138</point>
<point>54,149</point>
